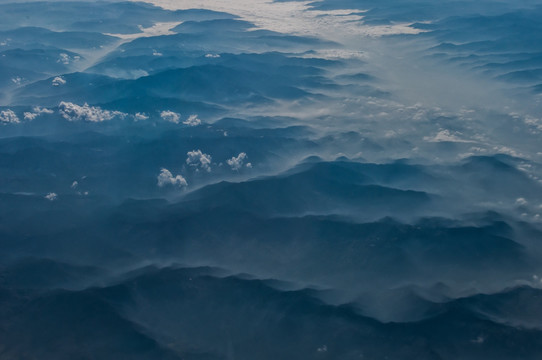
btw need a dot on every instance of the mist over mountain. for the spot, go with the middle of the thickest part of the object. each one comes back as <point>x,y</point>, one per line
<point>336,179</point>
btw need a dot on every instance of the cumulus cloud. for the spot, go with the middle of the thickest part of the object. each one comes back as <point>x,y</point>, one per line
<point>212,56</point>
<point>140,116</point>
<point>192,121</point>
<point>36,111</point>
<point>64,59</point>
<point>51,196</point>
<point>30,116</point>
<point>59,80</point>
<point>198,159</point>
<point>42,110</point>
<point>74,112</point>
<point>8,117</point>
<point>170,116</point>
<point>166,178</point>
<point>237,163</point>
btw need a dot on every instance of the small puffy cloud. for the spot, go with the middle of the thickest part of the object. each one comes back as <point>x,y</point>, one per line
<point>166,178</point>
<point>64,59</point>
<point>51,196</point>
<point>75,184</point>
<point>322,348</point>
<point>28,116</point>
<point>58,81</point>
<point>198,159</point>
<point>42,110</point>
<point>212,56</point>
<point>36,111</point>
<point>140,117</point>
<point>74,112</point>
<point>236,163</point>
<point>170,116</point>
<point>192,121</point>
<point>8,117</point>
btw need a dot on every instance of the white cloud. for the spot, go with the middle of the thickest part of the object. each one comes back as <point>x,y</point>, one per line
<point>198,159</point>
<point>74,112</point>
<point>74,184</point>
<point>236,163</point>
<point>212,56</point>
<point>192,121</point>
<point>445,136</point>
<point>296,17</point>
<point>28,116</point>
<point>51,196</point>
<point>37,111</point>
<point>64,59</point>
<point>521,201</point>
<point>42,110</point>
<point>59,80</point>
<point>166,178</point>
<point>140,117</point>
<point>158,29</point>
<point>8,117</point>
<point>170,116</point>
<point>507,150</point>
<point>17,80</point>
